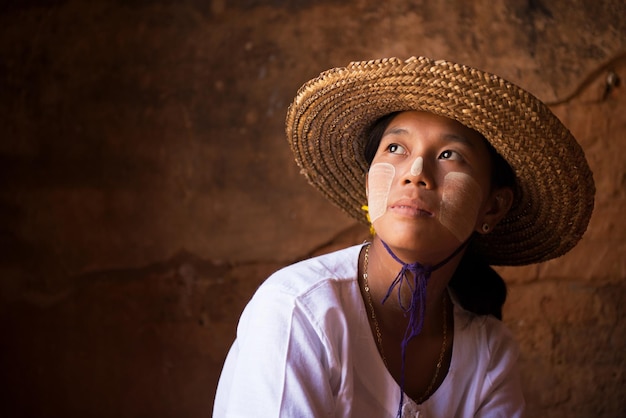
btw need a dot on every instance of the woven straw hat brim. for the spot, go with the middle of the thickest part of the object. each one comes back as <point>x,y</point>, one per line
<point>328,121</point>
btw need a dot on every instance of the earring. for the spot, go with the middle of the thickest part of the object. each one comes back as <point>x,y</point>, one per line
<point>486,228</point>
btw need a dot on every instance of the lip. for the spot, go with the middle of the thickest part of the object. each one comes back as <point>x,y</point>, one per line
<point>413,208</point>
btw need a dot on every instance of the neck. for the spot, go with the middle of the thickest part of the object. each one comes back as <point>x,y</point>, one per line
<point>384,268</point>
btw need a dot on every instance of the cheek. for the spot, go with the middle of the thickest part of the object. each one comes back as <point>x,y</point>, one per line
<point>379,180</point>
<point>460,204</point>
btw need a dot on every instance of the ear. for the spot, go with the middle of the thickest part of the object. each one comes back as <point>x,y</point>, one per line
<point>496,207</point>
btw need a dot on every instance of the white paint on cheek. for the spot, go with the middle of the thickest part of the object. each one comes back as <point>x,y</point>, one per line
<point>379,182</point>
<point>418,165</point>
<point>460,204</point>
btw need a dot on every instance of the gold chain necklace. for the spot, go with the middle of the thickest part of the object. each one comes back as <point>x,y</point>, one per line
<point>379,336</point>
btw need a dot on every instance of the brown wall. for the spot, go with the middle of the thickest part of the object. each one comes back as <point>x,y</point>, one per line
<point>147,187</point>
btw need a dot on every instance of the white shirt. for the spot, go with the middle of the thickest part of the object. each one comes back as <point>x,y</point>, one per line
<point>304,348</point>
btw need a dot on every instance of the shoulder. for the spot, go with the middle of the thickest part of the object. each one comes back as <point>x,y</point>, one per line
<point>313,300</point>
<point>486,336</point>
<point>305,276</point>
<point>308,289</point>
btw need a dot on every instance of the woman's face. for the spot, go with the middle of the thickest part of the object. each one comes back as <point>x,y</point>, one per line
<point>429,185</point>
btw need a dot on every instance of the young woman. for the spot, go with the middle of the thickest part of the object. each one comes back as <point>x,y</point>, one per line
<point>454,169</point>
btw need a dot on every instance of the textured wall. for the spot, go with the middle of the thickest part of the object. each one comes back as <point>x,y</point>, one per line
<point>147,189</point>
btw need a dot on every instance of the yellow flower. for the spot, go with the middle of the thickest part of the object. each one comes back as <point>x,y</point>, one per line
<point>367,214</point>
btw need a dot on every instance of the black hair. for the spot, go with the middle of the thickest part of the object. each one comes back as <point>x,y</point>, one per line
<point>476,285</point>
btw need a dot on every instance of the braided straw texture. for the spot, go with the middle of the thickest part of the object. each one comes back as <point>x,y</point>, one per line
<point>327,125</point>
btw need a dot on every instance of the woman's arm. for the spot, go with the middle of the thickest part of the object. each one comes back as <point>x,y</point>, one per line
<point>278,366</point>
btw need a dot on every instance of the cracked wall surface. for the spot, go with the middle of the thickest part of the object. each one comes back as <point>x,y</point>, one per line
<point>147,188</point>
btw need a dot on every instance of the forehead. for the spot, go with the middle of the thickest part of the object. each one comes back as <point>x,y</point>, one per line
<point>429,123</point>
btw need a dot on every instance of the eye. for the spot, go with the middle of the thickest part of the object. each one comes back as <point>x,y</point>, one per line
<point>396,149</point>
<point>450,155</point>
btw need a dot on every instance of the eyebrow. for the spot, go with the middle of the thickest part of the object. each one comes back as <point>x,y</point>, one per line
<point>446,136</point>
<point>395,131</point>
<point>460,139</point>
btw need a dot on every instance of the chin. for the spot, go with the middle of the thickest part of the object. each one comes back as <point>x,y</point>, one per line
<point>426,245</point>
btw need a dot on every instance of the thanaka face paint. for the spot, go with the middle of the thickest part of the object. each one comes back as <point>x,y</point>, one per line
<point>460,204</point>
<point>380,178</point>
<point>379,182</point>
<point>417,166</point>
<point>460,200</point>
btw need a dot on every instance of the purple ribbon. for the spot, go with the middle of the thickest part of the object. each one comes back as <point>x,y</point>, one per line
<point>421,274</point>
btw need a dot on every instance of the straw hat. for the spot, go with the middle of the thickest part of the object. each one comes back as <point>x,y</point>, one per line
<point>328,121</point>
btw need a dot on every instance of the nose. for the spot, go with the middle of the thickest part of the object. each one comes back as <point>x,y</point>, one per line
<point>416,173</point>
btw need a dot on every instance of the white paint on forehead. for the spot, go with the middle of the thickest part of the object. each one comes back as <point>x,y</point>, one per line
<point>460,204</point>
<point>379,182</point>
<point>417,166</point>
